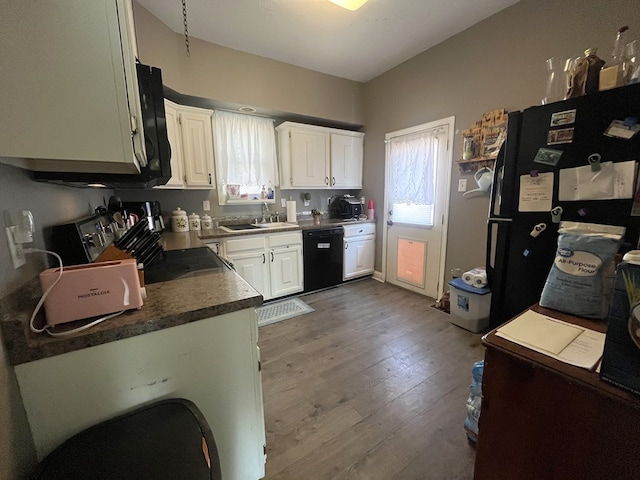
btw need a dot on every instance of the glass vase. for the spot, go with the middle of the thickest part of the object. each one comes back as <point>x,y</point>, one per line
<point>555,89</point>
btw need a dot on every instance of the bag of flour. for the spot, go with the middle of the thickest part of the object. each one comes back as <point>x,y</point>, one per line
<point>580,281</point>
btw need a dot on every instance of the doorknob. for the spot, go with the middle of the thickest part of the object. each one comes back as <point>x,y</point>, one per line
<point>390,212</point>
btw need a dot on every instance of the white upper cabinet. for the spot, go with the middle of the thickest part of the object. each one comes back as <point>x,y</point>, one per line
<point>309,151</point>
<point>319,157</point>
<point>346,159</point>
<point>69,87</point>
<point>191,139</point>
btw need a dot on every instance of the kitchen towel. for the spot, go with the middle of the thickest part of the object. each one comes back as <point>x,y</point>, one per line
<point>476,277</point>
<point>291,211</point>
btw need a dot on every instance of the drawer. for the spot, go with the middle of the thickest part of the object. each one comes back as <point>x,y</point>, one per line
<point>248,242</point>
<point>284,239</point>
<point>359,229</point>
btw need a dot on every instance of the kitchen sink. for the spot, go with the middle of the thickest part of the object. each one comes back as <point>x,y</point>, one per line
<point>274,225</point>
<point>243,227</point>
<point>238,228</point>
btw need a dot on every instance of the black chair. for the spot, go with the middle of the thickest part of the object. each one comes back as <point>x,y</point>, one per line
<point>169,439</point>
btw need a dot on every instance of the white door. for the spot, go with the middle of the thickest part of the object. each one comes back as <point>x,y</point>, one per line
<point>285,270</point>
<point>418,173</point>
<point>252,266</point>
<point>173,133</point>
<point>310,150</point>
<point>197,147</point>
<point>346,160</point>
<point>359,256</point>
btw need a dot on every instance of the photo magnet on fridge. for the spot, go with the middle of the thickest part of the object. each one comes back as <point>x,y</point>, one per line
<point>563,118</point>
<point>548,156</point>
<point>620,129</point>
<point>562,135</point>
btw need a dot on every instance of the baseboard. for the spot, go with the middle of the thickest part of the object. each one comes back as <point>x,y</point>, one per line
<point>377,276</point>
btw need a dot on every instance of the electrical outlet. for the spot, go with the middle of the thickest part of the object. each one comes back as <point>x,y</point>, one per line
<point>206,205</point>
<point>283,202</point>
<point>462,185</point>
<point>17,252</point>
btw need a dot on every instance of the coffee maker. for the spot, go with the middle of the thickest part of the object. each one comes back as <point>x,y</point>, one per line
<point>147,211</point>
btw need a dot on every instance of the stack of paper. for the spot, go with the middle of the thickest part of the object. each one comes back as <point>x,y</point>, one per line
<point>563,341</point>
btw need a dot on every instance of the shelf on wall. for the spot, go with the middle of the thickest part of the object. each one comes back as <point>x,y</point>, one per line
<point>473,165</point>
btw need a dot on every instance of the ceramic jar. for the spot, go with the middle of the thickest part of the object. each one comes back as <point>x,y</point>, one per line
<point>179,220</point>
<point>194,222</point>
<point>206,222</point>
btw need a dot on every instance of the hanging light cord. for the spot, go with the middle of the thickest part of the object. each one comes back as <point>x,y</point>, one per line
<point>186,30</point>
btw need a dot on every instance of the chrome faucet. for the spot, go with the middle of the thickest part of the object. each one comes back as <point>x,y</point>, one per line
<point>265,210</point>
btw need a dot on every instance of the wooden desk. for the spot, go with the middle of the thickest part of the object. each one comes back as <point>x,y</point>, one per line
<point>545,420</point>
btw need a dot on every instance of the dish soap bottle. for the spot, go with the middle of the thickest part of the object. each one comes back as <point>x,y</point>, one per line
<point>263,193</point>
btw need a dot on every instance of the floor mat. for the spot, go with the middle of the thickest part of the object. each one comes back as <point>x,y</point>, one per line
<point>277,311</point>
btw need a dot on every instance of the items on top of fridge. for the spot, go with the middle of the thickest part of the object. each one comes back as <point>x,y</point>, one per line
<point>585,75</point>
<point>580,281</point>
<point>617,72</point>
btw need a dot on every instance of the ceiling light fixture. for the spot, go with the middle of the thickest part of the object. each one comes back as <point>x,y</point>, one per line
<point>349,4</point>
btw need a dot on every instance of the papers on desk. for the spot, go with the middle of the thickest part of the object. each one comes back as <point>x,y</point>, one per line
<point>563,341</point>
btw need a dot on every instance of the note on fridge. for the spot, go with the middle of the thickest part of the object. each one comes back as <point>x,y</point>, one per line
<point>612,181</point>
<point>536,192</point>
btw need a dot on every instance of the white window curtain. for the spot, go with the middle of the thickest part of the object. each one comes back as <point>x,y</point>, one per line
<point>413,173</point>
<point>245,149</point>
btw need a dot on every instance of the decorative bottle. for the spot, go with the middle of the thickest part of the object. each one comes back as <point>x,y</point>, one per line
<point>615,73</point>
<point>585,74</point>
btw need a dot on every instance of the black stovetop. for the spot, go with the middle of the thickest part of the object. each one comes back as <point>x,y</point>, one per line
<point>175,264</point>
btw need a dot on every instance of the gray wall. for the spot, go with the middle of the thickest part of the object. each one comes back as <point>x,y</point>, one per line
<point>498,63</point>
<point>50,205</point>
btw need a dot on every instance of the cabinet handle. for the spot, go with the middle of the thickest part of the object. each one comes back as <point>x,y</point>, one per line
<point>272,256</point>
<point>326,180</point>
<point>334,181</point>
<point>209,179</point>
<point>346,245</point>
<point>264,258</point>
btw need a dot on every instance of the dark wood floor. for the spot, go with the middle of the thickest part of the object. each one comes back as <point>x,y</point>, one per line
<point>372,385</point>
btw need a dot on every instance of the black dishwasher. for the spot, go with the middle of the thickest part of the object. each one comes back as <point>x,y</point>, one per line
<point>322,258</point>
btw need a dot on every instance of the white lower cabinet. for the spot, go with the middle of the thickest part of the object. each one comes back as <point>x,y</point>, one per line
<point>359,245</point>
<point>272,264</point>
<point>213,362</point>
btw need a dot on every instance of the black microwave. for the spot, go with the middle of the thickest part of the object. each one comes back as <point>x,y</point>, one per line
<point>158,168</point>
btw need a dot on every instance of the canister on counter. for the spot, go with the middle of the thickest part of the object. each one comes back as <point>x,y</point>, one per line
<point>194,222</point>
<point>179,220</point>
<point>206,222</point>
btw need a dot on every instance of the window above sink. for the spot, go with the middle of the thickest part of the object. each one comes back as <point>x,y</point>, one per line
<point>245,156</point>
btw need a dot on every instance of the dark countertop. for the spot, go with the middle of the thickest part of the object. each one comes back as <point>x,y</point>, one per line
<point>215,234</point>
<point>168,304</point>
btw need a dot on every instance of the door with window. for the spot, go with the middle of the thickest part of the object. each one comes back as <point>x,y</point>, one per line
<point>418,173</point>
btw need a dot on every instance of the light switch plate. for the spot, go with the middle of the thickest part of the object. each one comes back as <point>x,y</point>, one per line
<point>283,202</point>
<point>462,185</point>
<point>206,206</point>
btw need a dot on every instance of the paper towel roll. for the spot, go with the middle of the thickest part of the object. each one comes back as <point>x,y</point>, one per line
<point>480,279</point>
<point>291,211</point>
<point>476,277</point>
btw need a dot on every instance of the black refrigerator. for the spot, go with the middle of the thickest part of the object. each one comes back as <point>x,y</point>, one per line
<point>544,140</point>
